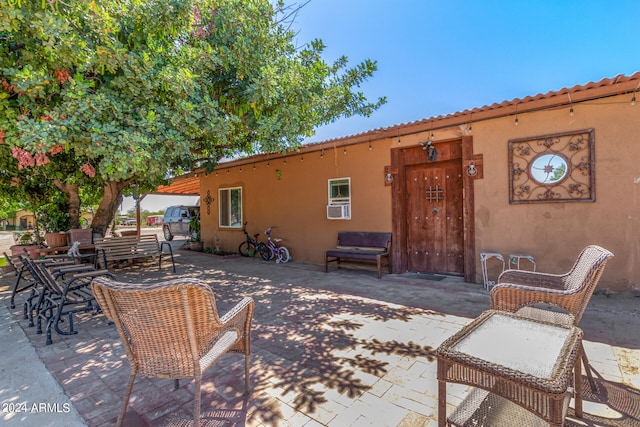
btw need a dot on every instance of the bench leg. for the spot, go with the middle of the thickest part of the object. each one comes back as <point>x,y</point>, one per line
<point>379,267</point>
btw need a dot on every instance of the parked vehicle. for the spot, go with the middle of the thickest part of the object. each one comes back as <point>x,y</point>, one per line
<point>176,221</point>
<point>154,220</point>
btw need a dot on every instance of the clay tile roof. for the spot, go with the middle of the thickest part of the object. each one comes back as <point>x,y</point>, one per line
<point>578,93</point>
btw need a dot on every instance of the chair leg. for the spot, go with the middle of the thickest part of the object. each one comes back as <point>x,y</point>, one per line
<point>587,367</point>
<point>247,386</point>
<point>196,409</point>
<point>126,400</point>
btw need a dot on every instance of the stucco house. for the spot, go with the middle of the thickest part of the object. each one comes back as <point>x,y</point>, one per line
<point>545,175</point>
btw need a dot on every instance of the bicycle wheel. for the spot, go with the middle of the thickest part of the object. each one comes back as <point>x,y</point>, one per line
<point>247,249</point>
<point>265,251</point>
<point>283,255</point>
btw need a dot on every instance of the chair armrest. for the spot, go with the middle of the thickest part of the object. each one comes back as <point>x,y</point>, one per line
<point>532,278</point>
<point>241,312</point>
<point>240,317</point>
<point>511,297</point>
<point>84,279</point>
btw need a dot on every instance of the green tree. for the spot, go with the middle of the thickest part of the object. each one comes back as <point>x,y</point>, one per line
<point>136,91</point>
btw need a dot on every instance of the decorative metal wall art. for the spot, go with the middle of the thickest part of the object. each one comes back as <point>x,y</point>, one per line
<point>208,201</point>
<point>552,168</point>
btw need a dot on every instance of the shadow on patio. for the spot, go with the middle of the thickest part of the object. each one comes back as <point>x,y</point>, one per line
<point>325,352</point>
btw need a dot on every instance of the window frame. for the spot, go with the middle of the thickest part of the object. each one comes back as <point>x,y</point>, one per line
<point>230,213</point>
<point>338,200</point>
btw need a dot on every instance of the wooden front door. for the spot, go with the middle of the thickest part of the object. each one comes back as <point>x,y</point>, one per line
<point>435,239</point>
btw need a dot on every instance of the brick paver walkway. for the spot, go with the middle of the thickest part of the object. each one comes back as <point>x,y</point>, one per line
<point>328,350</point>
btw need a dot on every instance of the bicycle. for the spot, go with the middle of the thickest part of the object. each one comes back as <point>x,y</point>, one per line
<point>249,247</point>
<point>274,249</point>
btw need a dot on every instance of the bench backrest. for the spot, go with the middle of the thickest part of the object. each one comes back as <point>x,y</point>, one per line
<point>146,242</point>
<point>82,235</point>
<point>364,239</point>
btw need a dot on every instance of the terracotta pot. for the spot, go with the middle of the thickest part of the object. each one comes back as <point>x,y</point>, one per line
<point>55,240</point>
<point>34,250</point>
<point>196,246</point>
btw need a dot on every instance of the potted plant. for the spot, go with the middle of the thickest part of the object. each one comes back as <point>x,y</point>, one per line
<point>194,227</point>
<point>53,217</point>
<point>28,241</point>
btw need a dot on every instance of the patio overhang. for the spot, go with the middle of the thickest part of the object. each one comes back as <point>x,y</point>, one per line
<point>183,185</point>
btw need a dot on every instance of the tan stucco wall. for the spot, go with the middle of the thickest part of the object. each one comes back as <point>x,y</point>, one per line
<point>554,233</point>
<point>296,203</point>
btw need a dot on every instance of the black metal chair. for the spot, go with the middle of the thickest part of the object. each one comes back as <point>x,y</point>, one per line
<point>23,282</point>
<point>63,291</point>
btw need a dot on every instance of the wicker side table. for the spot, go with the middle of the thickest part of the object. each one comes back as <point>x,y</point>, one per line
<point>516,363</point>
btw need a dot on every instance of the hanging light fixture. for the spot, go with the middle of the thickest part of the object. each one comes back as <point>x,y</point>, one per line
<point>571,104</point>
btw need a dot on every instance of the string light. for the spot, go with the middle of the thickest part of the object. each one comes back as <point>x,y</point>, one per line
<point>516,121</point>
<point>570,103</point>
<point>370,147</point>
<point>322,153</point>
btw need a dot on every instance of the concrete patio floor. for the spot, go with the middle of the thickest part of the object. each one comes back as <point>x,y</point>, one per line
<point>337,349</point>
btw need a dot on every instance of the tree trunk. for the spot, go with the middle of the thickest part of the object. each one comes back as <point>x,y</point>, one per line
<point>73,201</point>
<point>108,205</point>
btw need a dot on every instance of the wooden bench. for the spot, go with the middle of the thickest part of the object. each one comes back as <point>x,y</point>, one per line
<point>110,249</point>
<point>361,247</point>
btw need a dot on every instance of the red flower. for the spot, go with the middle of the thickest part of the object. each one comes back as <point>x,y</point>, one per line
<point>89,170</point>
<point>41,159</point>
<point>56,149</point>
<point>61,75</point>
<point>25,159</point>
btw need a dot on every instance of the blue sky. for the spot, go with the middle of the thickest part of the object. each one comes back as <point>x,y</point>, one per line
<point>439,57</point>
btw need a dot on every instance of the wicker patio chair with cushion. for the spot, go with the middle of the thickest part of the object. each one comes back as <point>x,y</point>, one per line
<point>172,329</point>
<point>519,290</point>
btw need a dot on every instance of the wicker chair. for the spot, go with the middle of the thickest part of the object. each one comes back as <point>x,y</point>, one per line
<point>519,290</point>
<point>172,330</point>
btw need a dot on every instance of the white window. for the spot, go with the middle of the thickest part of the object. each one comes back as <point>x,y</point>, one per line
<point>230,207</point>
<point>339,206</point>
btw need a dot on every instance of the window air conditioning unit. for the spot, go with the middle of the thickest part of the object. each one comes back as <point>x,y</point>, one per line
<point>338,211</point>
